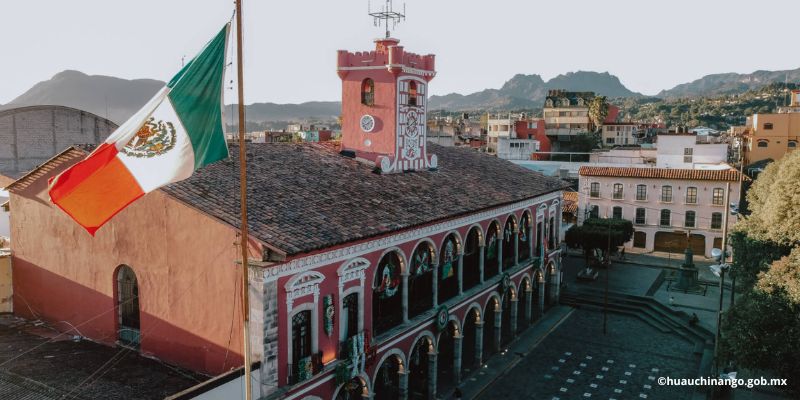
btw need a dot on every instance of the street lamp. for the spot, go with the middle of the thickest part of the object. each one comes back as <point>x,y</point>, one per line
<point>719,270</point>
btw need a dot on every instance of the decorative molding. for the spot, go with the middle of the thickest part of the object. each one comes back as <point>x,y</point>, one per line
<point>302,285</point>
<point>344,253</point>
<point>352,270</point>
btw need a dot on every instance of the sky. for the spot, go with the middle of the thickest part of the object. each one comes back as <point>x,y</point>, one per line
<point>290,45</point>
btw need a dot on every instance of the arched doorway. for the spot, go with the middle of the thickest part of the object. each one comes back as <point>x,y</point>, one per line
<point>468,334</point>
<point>387,294</point>
<point>387,380</point>
<point>472,253</point>
<point>128,306</point>
<point>420,280</point>
<point>522,304</point>
<point>640,239</point>
<point>491,263</point>
<point>536,312</point>
<point>445,361</point>
<point>419,372</point>
<point>506,333</point>
<point>509,239</point>
<point>354,389</point>
<point>448,268</point>
<point>489,341</point>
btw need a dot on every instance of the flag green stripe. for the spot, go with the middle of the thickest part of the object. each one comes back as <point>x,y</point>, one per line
<point>196,96</point>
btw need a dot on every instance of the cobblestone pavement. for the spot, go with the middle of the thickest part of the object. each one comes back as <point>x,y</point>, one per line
<point>576,361</point>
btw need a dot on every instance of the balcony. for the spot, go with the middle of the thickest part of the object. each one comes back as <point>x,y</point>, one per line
<point>305,368</point>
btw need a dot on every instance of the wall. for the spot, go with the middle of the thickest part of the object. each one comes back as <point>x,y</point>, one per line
<point>671,152</point>
<point>785,127</point>
<point>6,287</point>
<point>31,135</point>
<point>5,224</point>
<point>187,276</point>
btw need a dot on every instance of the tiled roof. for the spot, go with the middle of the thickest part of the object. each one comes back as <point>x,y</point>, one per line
<point>570,202</point>
<point>306,196</point>
<point>67,155</point>
<point>663,173</point>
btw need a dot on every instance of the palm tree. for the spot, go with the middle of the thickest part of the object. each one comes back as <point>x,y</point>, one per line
<point>598,111</point>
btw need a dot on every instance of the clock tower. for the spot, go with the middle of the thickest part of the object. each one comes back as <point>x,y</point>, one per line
<point>384,105</point>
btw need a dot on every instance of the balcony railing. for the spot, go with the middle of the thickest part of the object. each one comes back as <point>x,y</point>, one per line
<point>305,368</point>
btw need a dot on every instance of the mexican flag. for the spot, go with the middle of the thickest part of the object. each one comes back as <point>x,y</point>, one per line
<point>178,131</point>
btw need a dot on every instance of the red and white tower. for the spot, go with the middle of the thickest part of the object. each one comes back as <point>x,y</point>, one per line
<point>384,103</point>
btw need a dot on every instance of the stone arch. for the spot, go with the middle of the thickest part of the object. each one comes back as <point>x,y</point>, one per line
<point>458,240</point>
<point>497,224</point>
<point>473,306</point>
<point>388,291</point>
<point>366,390</point>
<point>524,283</point>
<point>392,352</point>
<point>430,241</point>
<point>481,239</point>
<point>452,319</point>
<point>422,335</point>
<point>492,296</point>
<point>400,254</point>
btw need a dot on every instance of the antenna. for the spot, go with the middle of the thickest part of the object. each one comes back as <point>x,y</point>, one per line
<point>385,15</point>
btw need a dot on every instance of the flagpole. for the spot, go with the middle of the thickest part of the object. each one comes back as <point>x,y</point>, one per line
<point>243,196</point>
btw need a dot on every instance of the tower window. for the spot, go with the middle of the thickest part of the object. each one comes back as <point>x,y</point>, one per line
<point>368,92</point>
<point>412,93</point>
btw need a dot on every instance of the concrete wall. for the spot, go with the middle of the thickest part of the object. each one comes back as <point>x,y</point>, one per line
<point>785,128</point>
<point>31,135</point>
<point>5,223</point>
<point>671,152</point>
<point>6,287</point>
<point>188,277</point>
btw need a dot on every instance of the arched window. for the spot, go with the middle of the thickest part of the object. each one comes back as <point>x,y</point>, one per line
<point>490,264</point>
<point>128,304</point>
<point>368,92</point>
<point>412,93</point>
<point>387,294</point>
<point>301,346</point>
<point>792,144</point>
<point>523,237</point>
<point>350,316</point>
<point>472,274</point>
<point>666,218</point>
<point>420,280</point>
<point>763,143</point>
<point>448,269</point>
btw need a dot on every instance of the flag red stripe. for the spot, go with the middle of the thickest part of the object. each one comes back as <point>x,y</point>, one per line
<point>95,189</point>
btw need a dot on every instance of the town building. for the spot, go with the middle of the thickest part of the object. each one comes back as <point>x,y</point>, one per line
<point>567,113</point>
<point>515,136</point>
<point>677,197</point>
<point>770,136</point>
<point>619,134</point>
<point>380,264</point>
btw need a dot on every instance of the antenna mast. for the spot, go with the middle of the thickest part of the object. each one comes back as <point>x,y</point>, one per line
<point>387,14</point>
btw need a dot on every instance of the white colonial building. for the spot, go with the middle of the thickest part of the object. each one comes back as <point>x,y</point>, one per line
<point>680,199</point>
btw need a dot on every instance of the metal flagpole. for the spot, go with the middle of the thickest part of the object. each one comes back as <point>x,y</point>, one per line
<point>243,195</point>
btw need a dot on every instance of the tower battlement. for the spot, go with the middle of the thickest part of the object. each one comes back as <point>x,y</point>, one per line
<point>388,53</point>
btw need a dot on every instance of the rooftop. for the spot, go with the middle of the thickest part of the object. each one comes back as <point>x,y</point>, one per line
<point>36,363</point>
<point>306,196</point>
<point>664,173</point>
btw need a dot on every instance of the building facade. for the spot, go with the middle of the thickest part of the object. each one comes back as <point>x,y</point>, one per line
<point>667,206</point>
<point>567,113</point>
<point>619,134</point>
<point>770,136</point>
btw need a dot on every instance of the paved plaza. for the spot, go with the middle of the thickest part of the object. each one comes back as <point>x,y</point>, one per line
<point>576,361</point>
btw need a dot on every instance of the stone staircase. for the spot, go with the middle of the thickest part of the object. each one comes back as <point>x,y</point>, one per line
<point>646,309</point>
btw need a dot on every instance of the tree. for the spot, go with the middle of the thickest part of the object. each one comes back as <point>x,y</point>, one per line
<point>762,332</point>
<point>774,203</point>
<point>594,235</point>
<point>752,257</point>
<point>598,111</point>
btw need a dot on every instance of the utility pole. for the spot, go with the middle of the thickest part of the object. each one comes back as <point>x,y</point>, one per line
<point>243,204</point>
<point>723,268</point>
<point>608,270</point>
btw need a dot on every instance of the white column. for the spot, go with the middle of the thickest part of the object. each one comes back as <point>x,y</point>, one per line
<point>435,285</point>
<point>404,277</point>
<point>528,304</point>
<point>403,384</point>
<point>500,254</point>
<point>457,358</point>
<point>513,318</point>
<point>481,261</point>
<point>460,274</point>
<point>432,374</point>
<point>479,343</point>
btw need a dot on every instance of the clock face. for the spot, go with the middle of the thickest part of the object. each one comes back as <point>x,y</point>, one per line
<point>367,123</point>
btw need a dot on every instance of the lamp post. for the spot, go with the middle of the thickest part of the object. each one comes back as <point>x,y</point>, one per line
<point>719,270</point>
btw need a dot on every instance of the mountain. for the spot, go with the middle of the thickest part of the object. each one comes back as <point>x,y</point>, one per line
<point>730,83</point>
<point>106,96</point>
<point>529,92</point>
<point>117,99</point>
